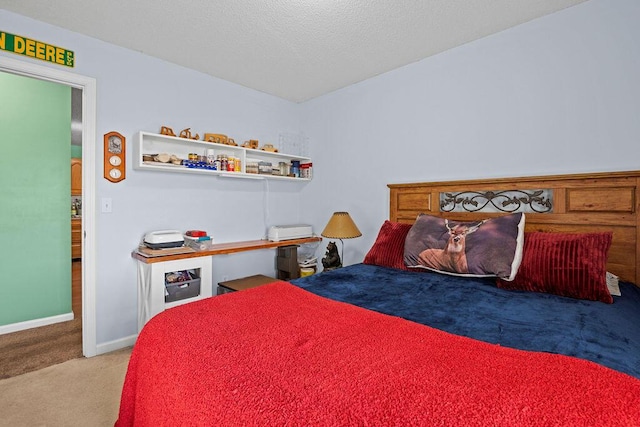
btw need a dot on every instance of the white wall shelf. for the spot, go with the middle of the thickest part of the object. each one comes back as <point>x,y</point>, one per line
<point>152,144</point>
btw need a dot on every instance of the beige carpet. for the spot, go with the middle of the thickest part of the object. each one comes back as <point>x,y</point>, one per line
<point>80,392</point>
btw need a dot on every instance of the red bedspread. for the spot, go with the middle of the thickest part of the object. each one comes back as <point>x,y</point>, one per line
<point>278,355</point>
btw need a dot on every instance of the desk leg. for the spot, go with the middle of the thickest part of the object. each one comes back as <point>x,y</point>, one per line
<point>144,294</point>
<point>150,291</point>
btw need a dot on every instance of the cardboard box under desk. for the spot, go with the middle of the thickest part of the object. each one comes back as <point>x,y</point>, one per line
<point>244,283</point>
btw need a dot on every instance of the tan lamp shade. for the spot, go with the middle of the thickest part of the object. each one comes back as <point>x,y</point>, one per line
<point>341,226</point>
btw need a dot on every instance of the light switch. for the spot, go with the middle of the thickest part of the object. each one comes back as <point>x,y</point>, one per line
<point>106,203</point>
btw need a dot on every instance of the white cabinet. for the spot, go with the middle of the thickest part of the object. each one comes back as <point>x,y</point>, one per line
<point>156,290</point>
<point>147,147</point>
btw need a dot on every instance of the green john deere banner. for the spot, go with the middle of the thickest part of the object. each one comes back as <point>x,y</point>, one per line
<point>36,49</point>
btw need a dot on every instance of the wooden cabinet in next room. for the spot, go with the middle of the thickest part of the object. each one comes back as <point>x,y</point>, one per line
<point>76,238</point>
<point>76,177</point>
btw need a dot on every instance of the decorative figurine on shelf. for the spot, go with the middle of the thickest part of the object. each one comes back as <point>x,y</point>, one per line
<point>216,138</point>
<point>186,133</point>
<point>270,148</point>
<point>331,261</point>
<point>252,143</point>
<point>165,130</point>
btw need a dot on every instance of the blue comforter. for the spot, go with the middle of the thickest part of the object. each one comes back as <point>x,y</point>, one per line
<point>608,334</point>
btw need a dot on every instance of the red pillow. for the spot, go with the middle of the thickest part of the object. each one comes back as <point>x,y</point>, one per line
<point>388,249</point>
<point>568,264</point>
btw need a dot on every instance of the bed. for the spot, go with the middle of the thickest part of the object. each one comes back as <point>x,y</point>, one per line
<point>381,343</point>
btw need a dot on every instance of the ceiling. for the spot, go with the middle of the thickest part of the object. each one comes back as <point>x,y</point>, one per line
<point>293,49</point>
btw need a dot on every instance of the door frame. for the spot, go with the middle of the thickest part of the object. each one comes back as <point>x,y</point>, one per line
<point>88,87</point>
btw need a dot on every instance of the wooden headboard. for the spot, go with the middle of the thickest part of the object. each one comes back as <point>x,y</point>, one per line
<point>570,203</point>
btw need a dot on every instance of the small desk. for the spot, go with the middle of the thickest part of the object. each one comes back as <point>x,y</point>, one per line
<point>152,270</point>
<point>226,248</point>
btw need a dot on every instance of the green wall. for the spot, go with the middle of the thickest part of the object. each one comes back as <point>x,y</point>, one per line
<point>35,236</point>
<point>76,151</point>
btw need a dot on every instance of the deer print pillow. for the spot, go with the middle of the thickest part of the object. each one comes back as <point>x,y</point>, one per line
<point>484,248</point>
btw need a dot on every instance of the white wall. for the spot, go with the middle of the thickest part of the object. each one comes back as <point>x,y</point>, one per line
<point>556,95</point>
<point>136,92</point>
<point>560,94</point>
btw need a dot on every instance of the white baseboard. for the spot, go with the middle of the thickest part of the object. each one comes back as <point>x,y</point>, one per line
<point>35,323</point>
<point>101,348</point>
<point>116,344</point>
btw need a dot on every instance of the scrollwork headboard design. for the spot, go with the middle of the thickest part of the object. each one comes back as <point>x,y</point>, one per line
<point>507,201</point>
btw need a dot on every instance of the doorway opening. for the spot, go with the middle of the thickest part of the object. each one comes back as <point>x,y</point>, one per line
<point>87,88</point>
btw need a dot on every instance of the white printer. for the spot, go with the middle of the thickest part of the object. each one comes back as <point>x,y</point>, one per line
<point>163,239</point>
<point>288,232</point>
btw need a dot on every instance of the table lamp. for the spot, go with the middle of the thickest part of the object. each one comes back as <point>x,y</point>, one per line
<point>340,226</point>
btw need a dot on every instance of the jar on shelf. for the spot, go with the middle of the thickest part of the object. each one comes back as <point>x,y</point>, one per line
<point>211,158</point>
<point>306,170</point>
<point>295,168</point>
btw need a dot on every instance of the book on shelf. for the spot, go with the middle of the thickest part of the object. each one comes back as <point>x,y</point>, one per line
<point>148,252</point>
